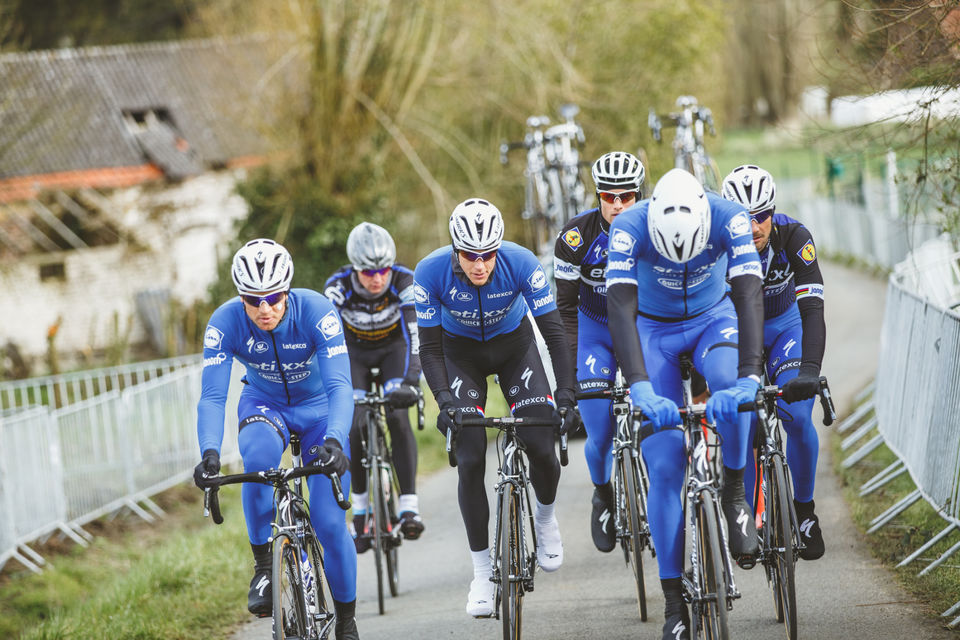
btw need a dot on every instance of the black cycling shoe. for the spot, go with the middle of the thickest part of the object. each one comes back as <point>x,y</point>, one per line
<point>602,527</point>
<point>741,533</point>
<point>810,532</point>
<point>361,537</point>
<point>347,629</point>
<point>677,626</point>
<point>411,525</point>
<point>260,598</point>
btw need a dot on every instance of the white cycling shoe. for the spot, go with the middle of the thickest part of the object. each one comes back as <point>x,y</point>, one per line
<point>480,600</point>
<point>549,545</point>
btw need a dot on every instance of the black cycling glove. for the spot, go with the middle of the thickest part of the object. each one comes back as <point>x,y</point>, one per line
<point>403,396</point>
<point>567,421</point>
<point>445,421</point>
<point>209,467</point>
<point>331,458</point>
<point>802,387</point>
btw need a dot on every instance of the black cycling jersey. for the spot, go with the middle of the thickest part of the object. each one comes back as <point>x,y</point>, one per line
<point>374,322</point>
<point>579,268</point>
<point>792,276</point>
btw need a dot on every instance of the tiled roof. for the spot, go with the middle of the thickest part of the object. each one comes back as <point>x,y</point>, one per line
<point>182,106</point>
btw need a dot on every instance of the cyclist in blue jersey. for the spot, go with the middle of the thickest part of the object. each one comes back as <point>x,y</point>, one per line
<point>794,333</point>
<point>579,267</point>
<point>297,380</point>
<point>679,248</point>
<point>374,296</point>
<point>472,300</point>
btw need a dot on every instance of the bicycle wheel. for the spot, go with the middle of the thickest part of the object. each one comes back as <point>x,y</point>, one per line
<point>511,563</point>
<point>634,529</point>
<point>319,598</point>
<point>782,561</point>
<point>709,612</point>
<point>375,489</point>
<point>289,616</point>
<point>388,517</point>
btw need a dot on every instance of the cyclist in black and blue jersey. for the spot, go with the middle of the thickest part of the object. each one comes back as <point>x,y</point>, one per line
<point>794,333</point>
<point>679,248</point>
<point>374,296</point>
<point>473,298</point>
<point>579,267</point>
<point>297,379</point>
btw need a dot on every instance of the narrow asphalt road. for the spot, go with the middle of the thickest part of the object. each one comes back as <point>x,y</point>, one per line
<point>846,594</point>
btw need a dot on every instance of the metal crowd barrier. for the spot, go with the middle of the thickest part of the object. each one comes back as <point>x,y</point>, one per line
<point>914,409</point>
<point>64,389</point>
<point>61,468</point>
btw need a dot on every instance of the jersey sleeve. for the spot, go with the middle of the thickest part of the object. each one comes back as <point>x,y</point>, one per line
<point>622,252</point>
<point>326,331</point>
<point>334,290</point>
<point>426,299</point>
<point>218,356</point>
<point>742,256</point>
<point>535,287</point>
<point>802,256</point>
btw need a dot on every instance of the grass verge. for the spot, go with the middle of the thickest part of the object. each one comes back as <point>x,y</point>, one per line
<point>936,591</point>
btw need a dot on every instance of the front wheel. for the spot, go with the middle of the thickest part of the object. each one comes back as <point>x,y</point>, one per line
<point>319,600</point>
<point>635,528</point>
<point>782,560</point>
<point>511,563</point>
<point>389,519</point>
<point>709,611</point>
<point>289,614</point>
<point>375,487</point>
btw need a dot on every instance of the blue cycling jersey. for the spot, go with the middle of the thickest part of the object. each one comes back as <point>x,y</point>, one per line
<point>669,290</point>
<point>518,284</point>
<point>303,358</point>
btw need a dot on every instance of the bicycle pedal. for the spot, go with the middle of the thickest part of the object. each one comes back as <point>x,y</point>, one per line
<point>264,615</point>
<point>747,562</point>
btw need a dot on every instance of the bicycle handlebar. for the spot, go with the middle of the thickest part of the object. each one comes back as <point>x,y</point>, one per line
<point>502,424</point>
<point>370,400</point>
<point>211,497</point>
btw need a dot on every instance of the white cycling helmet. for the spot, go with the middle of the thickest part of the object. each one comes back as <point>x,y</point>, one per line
<point>678,216</point>
<point>262,266</point>
<point>618,170</point>
<point>370,246</point>
<point>476,225</point>
<point>751,187</point>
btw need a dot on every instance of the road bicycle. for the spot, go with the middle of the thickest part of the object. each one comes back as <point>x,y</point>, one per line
<point>382,521</point>
<point>302,601</point>
<point>555,191</point>
<point>689,151</point>
<point>708,582</point>
<point>515,549</point>
<point>630,486</point>
<point>777,522</point>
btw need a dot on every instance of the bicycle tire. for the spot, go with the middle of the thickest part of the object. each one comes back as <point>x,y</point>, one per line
<point>709,615</point>
<point>289,615</point>
<point>511,563</point>
<point>389,517</point>
<point>375,489</point>
<point>634,530</point>
<point>324,615</point>
<point>782,560</point>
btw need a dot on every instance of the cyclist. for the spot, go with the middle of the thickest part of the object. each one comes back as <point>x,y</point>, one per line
<point>794,332</point>
<point>473,299</point>
<point>374,296</point>
<point>580,262</point>
<point>679,247</point>
<point>297,379</point>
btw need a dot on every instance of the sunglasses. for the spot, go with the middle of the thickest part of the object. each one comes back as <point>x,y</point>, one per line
<point>761,216</point>
<point>473,257</point>
<point>375,272</point>
<point>624,197</point>
<point>272,299</point>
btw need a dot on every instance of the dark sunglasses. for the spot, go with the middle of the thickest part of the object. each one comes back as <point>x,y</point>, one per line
<point>761,216</point>
<point>272,299</point>
<point>375,272</point>
<point>624,197</point>
<point>473,257</point>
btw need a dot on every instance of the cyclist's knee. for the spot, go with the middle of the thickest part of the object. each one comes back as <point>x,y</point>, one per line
<point>663,455</point>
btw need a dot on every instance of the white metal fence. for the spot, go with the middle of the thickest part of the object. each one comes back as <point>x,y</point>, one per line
<point>61,468</point>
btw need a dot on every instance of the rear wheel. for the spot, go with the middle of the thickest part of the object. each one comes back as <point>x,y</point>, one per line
<point>709,617</point>
<point>634,528</point>
<point>389,518</point>
<point>511,564</point>
<point>783,561</point>
<point>289,616</point>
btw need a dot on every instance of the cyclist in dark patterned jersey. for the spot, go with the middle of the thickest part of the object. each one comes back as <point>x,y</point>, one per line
<point>374,296</point>
<point>794,333</point>
<point>580,265</point>
<point>473,300</point>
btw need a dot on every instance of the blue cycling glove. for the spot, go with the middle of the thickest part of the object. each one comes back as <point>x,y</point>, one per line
<point>662,412</point>
<point>723,405</point>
